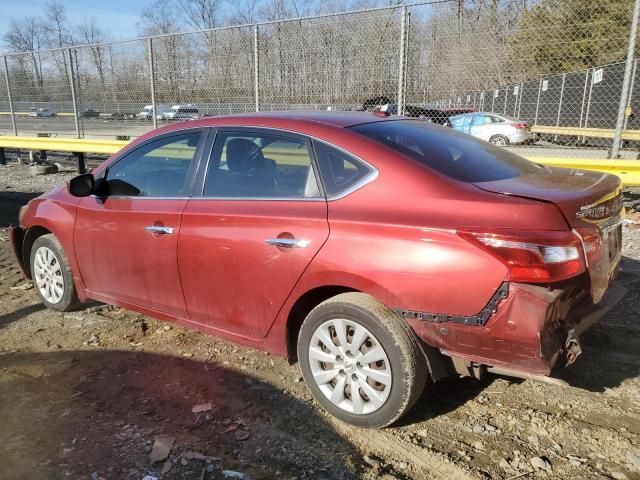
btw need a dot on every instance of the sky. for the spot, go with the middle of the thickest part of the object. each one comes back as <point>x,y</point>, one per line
<point>118,17</point>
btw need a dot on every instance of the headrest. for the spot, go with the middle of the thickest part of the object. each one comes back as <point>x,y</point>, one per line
<point>243,155</point>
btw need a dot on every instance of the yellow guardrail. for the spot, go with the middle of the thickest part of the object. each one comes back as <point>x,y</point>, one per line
<point>76,145</point>
<point>585,132</point>
<point>627,170</point>
<point>26,114</point>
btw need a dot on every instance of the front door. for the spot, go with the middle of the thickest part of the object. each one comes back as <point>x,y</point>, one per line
<point>245,243</point>
<point>126,243</point>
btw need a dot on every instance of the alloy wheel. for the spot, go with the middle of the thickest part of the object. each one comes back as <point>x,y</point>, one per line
<point>48,275</point>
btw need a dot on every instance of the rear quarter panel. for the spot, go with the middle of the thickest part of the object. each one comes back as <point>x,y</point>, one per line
<point>395,239</point>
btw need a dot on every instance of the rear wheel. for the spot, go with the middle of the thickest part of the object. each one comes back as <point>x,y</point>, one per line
<point>51,274</point>
<point>499,140</point>
<point>361,361</point>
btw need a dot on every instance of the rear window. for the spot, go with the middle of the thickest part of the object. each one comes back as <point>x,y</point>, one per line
<point>447,151</point>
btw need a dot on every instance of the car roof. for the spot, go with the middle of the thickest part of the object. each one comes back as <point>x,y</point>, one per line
<point>305,122</point>
<point>337,119</point>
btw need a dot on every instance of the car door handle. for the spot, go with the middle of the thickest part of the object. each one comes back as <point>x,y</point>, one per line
<point>287,242</point>
<point>159,230</point>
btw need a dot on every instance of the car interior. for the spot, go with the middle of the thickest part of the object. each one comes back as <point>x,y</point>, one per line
<point>265,166</point>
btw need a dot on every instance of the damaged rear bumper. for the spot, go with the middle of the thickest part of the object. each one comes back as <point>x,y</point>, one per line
<point>532,331</point>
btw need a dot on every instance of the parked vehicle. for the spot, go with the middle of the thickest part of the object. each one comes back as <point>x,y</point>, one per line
<point>457,111</point>
<point>182,112</point>
<point>433,115</point>
<point>497,129</point>
<point>147,112</point>
<point>90,113</point>
<point>42,112</point>
<point>377,252</point>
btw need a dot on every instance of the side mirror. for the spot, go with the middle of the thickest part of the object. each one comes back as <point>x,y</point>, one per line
<point>82,185</point>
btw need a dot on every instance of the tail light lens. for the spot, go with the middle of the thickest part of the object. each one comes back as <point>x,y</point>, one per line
<point>593,245</point>
<point>532,256</point>
<point>520,126</point>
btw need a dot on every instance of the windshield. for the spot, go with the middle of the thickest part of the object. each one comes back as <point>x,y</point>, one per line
<point>447,151</point>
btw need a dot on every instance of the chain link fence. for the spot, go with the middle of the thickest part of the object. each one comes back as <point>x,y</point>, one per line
<point>557,65</point>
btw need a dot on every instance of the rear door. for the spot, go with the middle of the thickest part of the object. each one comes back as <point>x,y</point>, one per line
<point>258,223</point>
<point>126,243</point>
<point>481,126</point>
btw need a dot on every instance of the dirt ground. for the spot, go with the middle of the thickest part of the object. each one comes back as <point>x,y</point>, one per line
<point>96,393</point>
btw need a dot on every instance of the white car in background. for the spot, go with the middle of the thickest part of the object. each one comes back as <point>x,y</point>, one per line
<point>182,112</point>
<point>42,112</point>
<point>147,112</point>
<point>497,129</point>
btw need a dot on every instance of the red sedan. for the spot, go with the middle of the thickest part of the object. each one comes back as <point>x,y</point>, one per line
<point>377,252</point>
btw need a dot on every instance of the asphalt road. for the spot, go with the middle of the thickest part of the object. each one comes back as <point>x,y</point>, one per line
<point>102,128</point>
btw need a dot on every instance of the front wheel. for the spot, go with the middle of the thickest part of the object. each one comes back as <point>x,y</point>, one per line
<point>361,361</point>
<point>52,275</point>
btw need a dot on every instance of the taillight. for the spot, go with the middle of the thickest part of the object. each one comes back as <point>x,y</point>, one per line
<point>520,126</point>
<point>593,246</point>
<point>532,256</point>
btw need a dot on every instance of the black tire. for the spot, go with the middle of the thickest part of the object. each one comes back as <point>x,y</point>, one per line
<point>499,140</point>
<point>69,300</point>
<point>408,366</point>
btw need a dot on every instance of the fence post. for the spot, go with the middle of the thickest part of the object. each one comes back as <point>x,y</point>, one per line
<point>624,94</point>
<point>256,67</point>
<point>586,113</point>
<point>506,96</point>
<point>519,100</point>
<point>152,81</point>
<point>73,93</point>
<point>493,100</point>
<point>584,96</point>
<point>535,118</point>
<point>9,99</point>
<point>564,76</point>
<point>401,66</point>
<point>633,81</point>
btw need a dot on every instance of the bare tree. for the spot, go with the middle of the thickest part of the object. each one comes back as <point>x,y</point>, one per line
<point>93,35</point>
<point>201,14</point>
<point>161,18</point>
<point>59,35</point>
<point>27,35</point>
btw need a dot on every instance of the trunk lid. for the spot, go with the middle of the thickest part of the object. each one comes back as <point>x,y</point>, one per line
<point>584,197</point>
<point>590,201</point>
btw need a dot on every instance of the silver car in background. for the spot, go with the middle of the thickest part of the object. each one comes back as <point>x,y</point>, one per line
<point>42,112</point>
<point>497,129</point>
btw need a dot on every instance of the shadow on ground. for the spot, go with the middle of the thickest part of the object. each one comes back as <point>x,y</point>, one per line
<point>17,315</point>
<point>70,414</point>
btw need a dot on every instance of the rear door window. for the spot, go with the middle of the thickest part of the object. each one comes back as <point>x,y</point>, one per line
<point>260,165</point>
<point>448,151</point>
<point>479,120</point>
